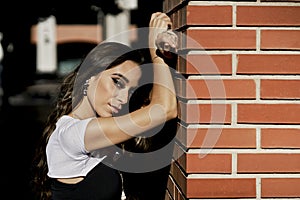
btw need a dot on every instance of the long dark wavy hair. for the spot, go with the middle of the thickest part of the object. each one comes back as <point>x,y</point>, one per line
<point>104,56</point>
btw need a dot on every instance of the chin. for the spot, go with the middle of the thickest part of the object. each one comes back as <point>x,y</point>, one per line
<point>104,114</point>
<point>107,115</point>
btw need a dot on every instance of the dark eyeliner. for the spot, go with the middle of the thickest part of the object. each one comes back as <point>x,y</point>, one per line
<point>118,82</point>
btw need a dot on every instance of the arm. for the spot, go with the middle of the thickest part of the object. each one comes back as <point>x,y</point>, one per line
<point>103,132</point>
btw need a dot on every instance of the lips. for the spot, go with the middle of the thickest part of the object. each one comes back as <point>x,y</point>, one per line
<point>115,109</point>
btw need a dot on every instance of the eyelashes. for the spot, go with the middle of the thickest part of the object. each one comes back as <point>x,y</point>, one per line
<point>119,83</point>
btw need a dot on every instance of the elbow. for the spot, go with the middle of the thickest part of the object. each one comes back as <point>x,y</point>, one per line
<point>163,111</point>
<point>172,114</point>
<point>172,111</point>
<point>166,108</point>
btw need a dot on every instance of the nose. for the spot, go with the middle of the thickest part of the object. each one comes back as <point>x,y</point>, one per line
<point>123,96</point>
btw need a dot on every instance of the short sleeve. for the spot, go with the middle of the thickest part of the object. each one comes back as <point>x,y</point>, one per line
<point>71,138</point>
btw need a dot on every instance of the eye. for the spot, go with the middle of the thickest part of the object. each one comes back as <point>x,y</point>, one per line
<point>119,83</point>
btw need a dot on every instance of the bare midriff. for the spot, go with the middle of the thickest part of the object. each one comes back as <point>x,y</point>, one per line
<point>70,180</point>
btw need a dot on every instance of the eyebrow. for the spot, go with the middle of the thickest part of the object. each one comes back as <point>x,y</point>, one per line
<point>123,77</point>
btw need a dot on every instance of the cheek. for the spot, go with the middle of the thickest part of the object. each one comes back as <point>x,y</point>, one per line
<point>105,89</point>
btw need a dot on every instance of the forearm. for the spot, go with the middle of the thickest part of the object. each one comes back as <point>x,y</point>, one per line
<point>163,92</point>
<point>103,132</point>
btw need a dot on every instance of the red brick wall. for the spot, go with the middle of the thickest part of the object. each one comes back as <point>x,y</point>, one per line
<point>239,92</point>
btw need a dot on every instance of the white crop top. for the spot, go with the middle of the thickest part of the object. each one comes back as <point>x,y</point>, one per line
<point>66,153</point>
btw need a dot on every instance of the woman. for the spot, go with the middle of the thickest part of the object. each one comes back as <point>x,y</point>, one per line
<point>89,119</point>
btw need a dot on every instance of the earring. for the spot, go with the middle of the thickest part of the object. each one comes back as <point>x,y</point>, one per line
<point>85,87</point>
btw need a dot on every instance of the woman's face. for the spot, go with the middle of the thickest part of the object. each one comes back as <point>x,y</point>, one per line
<point>110,90</point>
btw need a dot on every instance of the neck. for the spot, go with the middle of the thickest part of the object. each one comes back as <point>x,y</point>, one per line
<point>85,109</point>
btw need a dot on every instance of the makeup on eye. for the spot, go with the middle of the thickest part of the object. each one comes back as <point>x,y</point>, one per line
<point>120,80</point>
<point>121,76</point>
<point>119,83</point>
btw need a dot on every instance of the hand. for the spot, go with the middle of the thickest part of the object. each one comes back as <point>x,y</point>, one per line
<point>159,23</point>
<point>167,42</point>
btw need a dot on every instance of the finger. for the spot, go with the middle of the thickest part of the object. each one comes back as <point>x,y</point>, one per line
<point>166,47</point>
<point>154,15</point>
<point>160,20</point>
<point>173,39</point>
<point>166,37</point>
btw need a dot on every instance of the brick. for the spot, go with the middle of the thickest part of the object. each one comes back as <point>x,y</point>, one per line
<point>280,187</point>
<point>179,177</point>
<point>268,64</point>
<point>205,64</point>
<point>213,187</point>
<point>218,89</point>
<point>268,163</point>
<point>209,163</point>
<point>206,15</point>
<point>171,186</point>
<point>171,4</point>
<point>280,138</point>
<point>203,163</point>
<point>168,196</point>
<point>221,188</point>
<point>280,39</point>
<point>268,113</point>
<point>176,19</point>
<point>217,137</point>
<point>280,89</point>
<point>173,191</point>
<point>219,39</point>
<point>179,195</point>
<point>205,113</point>
<point>268,15</point>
